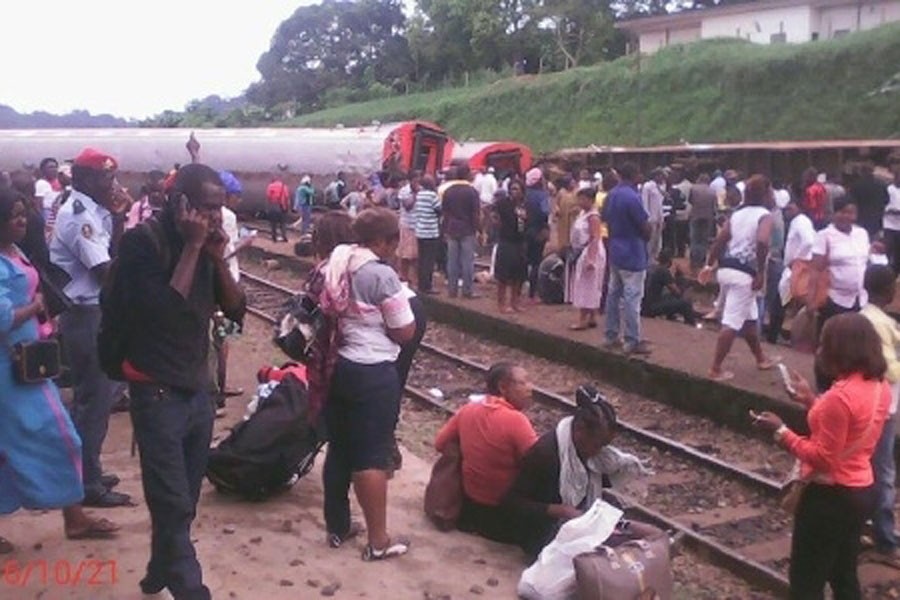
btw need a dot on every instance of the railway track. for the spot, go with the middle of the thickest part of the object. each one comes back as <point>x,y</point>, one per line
<point>687,481</point>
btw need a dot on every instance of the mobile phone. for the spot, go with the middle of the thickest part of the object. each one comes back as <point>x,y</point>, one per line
<point>786,379</point>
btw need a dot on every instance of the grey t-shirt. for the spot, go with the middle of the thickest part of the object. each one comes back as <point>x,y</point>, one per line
<point>379,302</point>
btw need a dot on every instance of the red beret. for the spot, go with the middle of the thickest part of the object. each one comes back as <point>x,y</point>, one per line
<point>94,159</point>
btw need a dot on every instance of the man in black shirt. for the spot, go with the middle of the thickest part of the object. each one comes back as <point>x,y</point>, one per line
<point>174,275</point>
<point>663,296</point>
<point>460,223</point>
<point>871,198</point>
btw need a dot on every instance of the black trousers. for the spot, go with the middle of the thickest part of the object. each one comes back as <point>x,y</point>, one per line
<point>173,429</point>
<point>429,249</point>
<point>672,307</point>
<point>825,542</point>
<point>830,309</point>
<point>892,240</point>
<point>276,222</point>
<point>534,252</point>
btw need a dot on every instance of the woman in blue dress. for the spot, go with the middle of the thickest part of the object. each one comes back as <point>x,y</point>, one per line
<point>40,452</point>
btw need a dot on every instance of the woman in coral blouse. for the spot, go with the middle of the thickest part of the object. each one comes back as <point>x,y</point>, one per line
<point>835,459</point>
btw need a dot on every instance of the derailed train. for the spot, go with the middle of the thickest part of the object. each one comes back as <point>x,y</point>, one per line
<point>258,155</point>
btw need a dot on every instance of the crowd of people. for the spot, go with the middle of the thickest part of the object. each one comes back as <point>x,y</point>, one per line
<point>163,269</point>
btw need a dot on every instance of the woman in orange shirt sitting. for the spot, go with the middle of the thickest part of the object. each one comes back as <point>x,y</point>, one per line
<point>493,436</point>
<point>845,423</point>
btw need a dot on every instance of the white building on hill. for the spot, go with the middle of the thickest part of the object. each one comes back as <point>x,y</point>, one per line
<point>764,22</point>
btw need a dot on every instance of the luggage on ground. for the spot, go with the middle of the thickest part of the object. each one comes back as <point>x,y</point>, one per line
<point>551,279</point>
<point>444,493</point>
<point>633,565</point>
<point>269,451</point>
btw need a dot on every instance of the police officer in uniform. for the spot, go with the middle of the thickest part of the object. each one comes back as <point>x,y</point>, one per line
<point>88,226</point>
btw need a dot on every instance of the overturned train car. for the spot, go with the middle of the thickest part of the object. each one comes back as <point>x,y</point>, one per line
<point>254,155</point>
<point>504,157</point>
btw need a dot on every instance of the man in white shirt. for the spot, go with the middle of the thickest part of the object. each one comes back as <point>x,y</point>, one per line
<point>48,188</point>
<point>891,222</point>
<point>487,187</point>
<point>797,246</point>
<point>88,228</point>
<point>652,196</point>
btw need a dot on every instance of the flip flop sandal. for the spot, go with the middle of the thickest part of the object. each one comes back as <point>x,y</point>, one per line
<point>6,546</point>
<point>578,327</point>
<point>335,540</point>
<point>723,376</point>
<point>768,365</point>
<point>394,549</point>
<point>97,529</point>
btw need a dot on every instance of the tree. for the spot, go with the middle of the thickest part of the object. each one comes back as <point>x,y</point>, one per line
<point>329,45</point>
<point>582,29</point>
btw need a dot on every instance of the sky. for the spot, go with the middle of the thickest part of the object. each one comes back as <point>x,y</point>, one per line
<point>132,58</point>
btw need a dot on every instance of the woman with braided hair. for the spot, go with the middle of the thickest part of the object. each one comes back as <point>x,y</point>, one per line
<point>566,469</point>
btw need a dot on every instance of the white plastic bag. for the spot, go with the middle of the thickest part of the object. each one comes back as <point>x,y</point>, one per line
<point>552,576</point>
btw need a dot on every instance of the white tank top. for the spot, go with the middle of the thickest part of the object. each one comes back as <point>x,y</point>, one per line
<point>744,225</point>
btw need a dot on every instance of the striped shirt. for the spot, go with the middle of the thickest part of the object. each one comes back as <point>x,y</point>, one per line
<point>427,211</point>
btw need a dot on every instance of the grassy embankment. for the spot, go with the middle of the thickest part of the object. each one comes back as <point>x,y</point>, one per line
<point>712,91</point>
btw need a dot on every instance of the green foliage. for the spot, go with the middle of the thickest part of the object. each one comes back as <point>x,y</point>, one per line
<point>712,91</point>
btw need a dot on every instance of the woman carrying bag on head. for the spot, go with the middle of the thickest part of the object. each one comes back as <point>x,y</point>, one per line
<point>835,493</point>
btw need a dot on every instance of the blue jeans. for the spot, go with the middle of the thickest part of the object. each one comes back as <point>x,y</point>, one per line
<point>766,303</point>
<point>885,473</point>
<point>173,429</point>
<point>460,263</point>
<point>306,214</point>
<point>626,291</point>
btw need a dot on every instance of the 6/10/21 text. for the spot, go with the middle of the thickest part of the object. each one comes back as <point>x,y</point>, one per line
<point>59,572</point>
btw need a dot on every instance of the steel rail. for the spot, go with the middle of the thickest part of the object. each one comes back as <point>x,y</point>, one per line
<point>746,569</point>
<point>731,560</point>
<point>754,479</point>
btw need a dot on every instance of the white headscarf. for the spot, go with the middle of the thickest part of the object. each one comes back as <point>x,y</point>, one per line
<point>580,481</point>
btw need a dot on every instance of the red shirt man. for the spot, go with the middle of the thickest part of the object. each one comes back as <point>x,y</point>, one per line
<point>277,194</point>
<point>815,198</point>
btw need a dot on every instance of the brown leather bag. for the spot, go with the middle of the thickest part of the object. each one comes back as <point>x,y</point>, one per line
<point>444,493</point>
<point>637,569</point>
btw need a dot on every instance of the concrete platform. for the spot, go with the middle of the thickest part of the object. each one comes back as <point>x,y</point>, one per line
<point>675,373</point>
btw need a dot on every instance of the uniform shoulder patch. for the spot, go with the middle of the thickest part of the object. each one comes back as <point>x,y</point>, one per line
<point>77,207</point>
<point>87,231</point>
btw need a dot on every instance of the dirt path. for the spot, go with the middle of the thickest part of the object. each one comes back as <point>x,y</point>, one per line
<point>271,550</point>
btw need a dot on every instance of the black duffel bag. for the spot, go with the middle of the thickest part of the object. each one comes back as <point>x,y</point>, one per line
<point>271,450</point>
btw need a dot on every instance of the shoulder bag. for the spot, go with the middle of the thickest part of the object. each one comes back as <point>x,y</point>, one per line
<point>444,493</point>
<point>35,362</point>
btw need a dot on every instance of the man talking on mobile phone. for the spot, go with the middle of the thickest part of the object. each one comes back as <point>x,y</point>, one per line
<point>173,278</point>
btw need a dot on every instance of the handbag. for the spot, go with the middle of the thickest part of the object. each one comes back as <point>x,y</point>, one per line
<point>444,493</point>
<point>35,362</point>
<point>795,487</point>
<point>633,569</point>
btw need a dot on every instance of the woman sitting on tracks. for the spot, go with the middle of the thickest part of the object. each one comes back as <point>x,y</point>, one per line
<point>562,474</point>
<point>374,318</point>
<point>845,423</point>
<point>494,436</point>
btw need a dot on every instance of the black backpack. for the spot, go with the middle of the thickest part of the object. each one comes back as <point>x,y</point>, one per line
<point>271,450</point>
<point>551,279</point>
<point>114,332</point>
